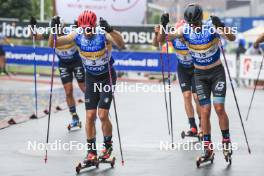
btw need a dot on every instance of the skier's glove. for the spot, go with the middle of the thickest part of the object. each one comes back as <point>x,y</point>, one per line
<point>55,24</point>
<point>105,26</point>
<point>217,22</point>
<point>55,21</point>
<point>164,19</point>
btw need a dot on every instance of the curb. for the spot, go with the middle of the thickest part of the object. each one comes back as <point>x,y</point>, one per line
<point>20,119</point>
<point>14,78</point>
<point>17,120</point>
<point>4,124</point>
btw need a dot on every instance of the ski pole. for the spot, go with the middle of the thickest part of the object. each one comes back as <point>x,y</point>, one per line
<point>255,86</point>
<point>169,82</point>
<point>164,87</point>
<point>35,75</point>
<point>50,97</point>
<point>233,90</point>
<point>114,102</point>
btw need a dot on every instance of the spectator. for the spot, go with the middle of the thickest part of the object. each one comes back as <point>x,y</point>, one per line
<point>3,39</point>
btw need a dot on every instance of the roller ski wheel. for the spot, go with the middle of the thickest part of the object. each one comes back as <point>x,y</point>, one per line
<point>110,161</point>
<point>87,164</point>
<point>75,123</point>
<point>190,133</point>
<point>106,157</point>
<point>78,168</point>
<point>227,151</point>
<point>46,111</point>
<point>80,101</point>
<point>113,162</point>
<point>228,156</point>
<point>58,108</point>
<point>202,159</point>
<point>80,124</point>
<point>183,134</point>
<point>82,166</point>
<point>228,159</point>
<point>69,127</point>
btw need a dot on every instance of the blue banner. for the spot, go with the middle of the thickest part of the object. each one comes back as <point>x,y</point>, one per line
<point>24,55</point>
<point>244,23</point>
<point>124,61</point>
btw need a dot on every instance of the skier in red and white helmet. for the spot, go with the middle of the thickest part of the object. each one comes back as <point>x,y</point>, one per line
<point>95,46</point>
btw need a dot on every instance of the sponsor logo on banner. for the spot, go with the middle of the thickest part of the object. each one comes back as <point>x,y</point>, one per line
<point>124,61</point>
<point>249,67</point>
<point>246,66</point>
<point>117,12</point>
<point>123,7</point>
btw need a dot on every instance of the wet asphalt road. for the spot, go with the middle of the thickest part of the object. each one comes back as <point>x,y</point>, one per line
<point>143,126</point>
<point>17,98</point>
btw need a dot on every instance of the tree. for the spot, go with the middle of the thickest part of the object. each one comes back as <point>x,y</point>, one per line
<point>23,9</point>
<point>15,9</point>
<point>47,9</point>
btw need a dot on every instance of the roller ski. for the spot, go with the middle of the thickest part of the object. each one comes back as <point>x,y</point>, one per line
<point>106,157</point>
<point>90,161</point>
<point>207,156</point>
<point>191,133</point>
<point>75,122</point>
<point>227,150</point>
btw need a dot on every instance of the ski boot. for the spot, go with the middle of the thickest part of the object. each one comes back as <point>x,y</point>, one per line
<point>191,133</point>
<point>227,150</point>
<point>208,154</point>
<point>106,156</point>
<point>89,161</point>
<point>75,122</point>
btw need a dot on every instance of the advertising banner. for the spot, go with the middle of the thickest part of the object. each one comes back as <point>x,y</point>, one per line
<point>117,12</point>
<point>249,67</point>
<point>124,61</point>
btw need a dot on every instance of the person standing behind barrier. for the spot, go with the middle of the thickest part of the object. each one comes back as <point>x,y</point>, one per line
<point>241,49</point>
<point>3,39</point>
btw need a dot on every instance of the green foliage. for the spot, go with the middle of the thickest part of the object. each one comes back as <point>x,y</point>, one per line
<point>15,9</point>
<point>36,8</point>
<point>47,9</point>
<point>23,9</point>
<point>154,18</point>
